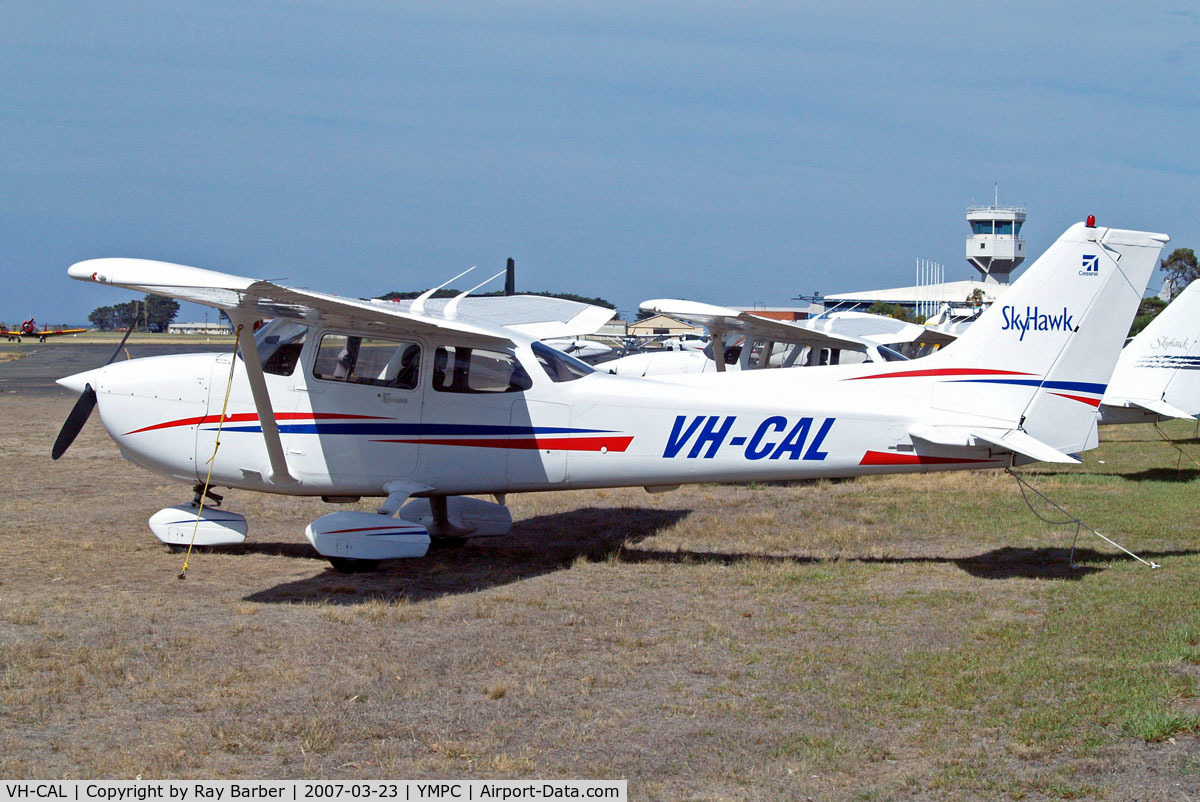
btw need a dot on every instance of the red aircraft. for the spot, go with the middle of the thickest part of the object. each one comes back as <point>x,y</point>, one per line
<point>29,329</point>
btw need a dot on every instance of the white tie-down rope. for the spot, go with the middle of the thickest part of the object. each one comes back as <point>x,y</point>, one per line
<point>1070,519</point>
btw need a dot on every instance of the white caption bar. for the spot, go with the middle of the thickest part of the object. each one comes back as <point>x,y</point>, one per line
<point>309,790</point>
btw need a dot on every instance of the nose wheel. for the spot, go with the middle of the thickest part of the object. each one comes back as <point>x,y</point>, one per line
<point>347,565</point>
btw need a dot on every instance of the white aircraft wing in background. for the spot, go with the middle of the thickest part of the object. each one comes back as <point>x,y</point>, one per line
<point>910,339</point>
<point>766,342</point>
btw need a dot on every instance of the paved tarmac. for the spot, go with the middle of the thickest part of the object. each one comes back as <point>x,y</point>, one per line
<point>43,364</point>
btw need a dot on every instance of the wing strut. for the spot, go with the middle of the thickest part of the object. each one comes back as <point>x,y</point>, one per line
<point>716,338</point>
<point>262,402</point>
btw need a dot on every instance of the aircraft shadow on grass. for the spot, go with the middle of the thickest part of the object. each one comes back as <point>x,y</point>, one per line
<point>1003,563</point>
<point>536,546</point>
<point>549,543</point>
<point>1172,475</point>
<point>1181,475</point>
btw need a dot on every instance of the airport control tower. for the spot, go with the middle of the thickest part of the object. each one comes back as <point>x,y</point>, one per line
<point>995,246</point>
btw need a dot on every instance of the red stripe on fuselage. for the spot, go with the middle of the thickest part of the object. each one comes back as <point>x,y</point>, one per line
<point>942,372</point>
<point>618,444</point>
<point>252,417</point>
<point>1091,402</point>
<point>892,458</point>
<point>399,531</point>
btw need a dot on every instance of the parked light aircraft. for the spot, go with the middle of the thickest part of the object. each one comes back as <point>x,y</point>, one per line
<point>587,350</point>
<point>914,340</point>
<point>760,342</point>
<point>1158,373</point>
<point>342,398</point>
<point>29,329</point>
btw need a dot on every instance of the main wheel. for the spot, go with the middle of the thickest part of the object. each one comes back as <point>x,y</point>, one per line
<point>437,542</point>
<point>348,565</point>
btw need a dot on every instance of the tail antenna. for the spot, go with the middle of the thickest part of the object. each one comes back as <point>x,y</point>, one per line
<point>418,306</point>
<point>452,307</point>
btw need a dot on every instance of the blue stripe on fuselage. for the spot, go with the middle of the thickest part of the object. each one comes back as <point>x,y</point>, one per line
<point>1079,387</point>
<point>411,429</point>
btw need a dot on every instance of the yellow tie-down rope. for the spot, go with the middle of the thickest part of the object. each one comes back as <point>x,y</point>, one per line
<point>237,334</point>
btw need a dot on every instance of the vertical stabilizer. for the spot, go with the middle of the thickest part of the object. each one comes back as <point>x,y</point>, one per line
<point>1039,358</point>
<point>1159,370</point>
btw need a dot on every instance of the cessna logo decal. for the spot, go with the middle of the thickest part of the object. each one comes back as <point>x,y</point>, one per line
<point>1091,265</point>
<point>774,438</point>
<point>1035,320</point>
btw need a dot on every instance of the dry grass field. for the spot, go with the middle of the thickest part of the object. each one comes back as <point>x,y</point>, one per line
<point>919,637</point>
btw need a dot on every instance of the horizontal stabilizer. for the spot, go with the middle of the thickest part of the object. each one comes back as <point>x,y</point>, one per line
<point>1158,407</point>
<point>1013,440</point>
<point>1019,442</point>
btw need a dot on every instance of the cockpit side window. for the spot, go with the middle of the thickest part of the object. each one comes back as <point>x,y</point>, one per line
<point>459,369</point>
<point>368,360</point>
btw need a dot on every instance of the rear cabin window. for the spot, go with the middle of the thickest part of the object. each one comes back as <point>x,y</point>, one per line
<point>457,369</point>
<point>368,360</point>
<point>890,355</point>
<point>559,366</point>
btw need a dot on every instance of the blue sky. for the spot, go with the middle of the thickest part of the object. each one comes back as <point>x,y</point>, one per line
<point>738,153</point>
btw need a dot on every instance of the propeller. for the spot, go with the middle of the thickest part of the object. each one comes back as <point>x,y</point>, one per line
<point>82,409</point>
<point>74,423</point>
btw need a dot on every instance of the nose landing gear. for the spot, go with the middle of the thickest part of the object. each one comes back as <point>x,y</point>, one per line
<point>190,524</point>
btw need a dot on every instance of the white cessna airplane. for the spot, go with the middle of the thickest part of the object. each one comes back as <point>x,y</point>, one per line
<point>342,398</point>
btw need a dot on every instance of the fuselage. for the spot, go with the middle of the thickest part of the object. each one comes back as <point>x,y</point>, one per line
<point>463,420</point>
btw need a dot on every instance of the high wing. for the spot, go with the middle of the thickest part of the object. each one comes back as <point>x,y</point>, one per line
<point>252,299</point>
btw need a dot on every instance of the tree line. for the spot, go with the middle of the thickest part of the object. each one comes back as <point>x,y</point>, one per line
<point>153,313</point>
<point>450,293</point>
